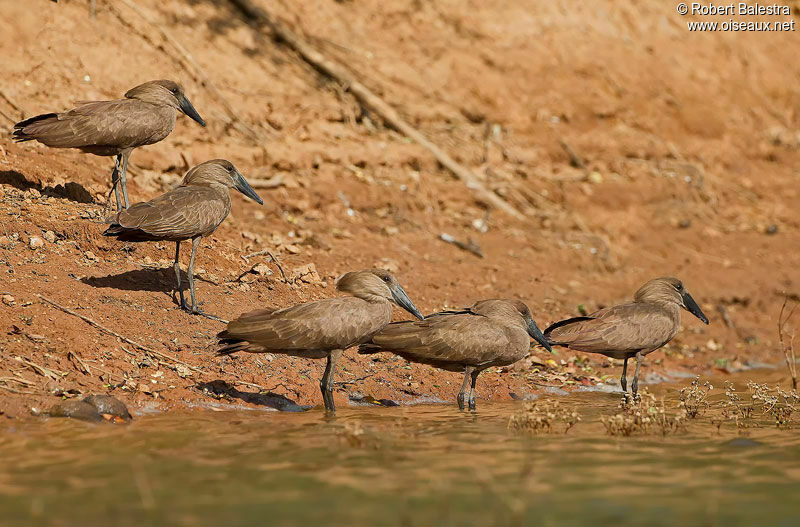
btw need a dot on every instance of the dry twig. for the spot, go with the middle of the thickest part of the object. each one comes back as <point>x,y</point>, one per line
<point>469,245</point>
<point>115,334</point>
<point>788,349</point>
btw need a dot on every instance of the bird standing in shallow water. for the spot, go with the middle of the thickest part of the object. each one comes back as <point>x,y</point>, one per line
<point>192,210</point>
<point>629,330</point>
<point>490,333</point>
<point>321,329</point>
<point>113,128</point>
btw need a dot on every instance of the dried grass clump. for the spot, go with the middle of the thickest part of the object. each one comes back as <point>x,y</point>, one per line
<point>641,415</point>
<point>543,417</point>
<point>693,397</point>
<point>779,404</point>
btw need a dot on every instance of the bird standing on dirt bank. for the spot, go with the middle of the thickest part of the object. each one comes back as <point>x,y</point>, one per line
<point>629,330</point>
<point>490,333</point>
<point>113,128</point>
<point>324,328</point>
<point>192,210</point>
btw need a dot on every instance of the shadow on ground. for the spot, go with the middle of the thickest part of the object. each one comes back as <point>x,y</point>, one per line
<point>71,190</point>
<point>219,388</point>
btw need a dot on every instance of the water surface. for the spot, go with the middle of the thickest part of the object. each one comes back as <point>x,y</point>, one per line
<point>403,466</point>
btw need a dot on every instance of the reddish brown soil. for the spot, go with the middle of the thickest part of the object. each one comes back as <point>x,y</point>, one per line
<point>690,142</point>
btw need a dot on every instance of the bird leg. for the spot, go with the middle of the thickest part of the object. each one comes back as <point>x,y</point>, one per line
<point>194,310</point>
<point>123,182</point>
<point>635,385</point>
<point>326,384</point>
<point>115,182</point>
<point>624,379</point>
<point>177,267</point>
<point>462,394</point>
<point>474,376</point>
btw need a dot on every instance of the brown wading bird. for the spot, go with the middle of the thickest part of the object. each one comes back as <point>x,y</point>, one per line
<point>490,333</point>
<point>324,328</point>
<point>113,128</point>
<point>629,330</point>
<point>192,210</point>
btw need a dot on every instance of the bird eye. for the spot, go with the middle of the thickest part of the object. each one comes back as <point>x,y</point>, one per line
<point>387,279</point>
<point>174,91</point>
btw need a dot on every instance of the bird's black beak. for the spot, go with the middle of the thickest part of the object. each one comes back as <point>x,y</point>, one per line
<point>187,108</point>
<point>241,184</point>
<point>691,306</point>
<point>536,334</point>
<point>400,296</point>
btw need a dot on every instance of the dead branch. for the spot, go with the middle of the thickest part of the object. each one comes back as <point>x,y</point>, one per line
<point>369,99</point>
<point>189,64</point>
<point>117,335</point>
<point>789,353</point>
<point>469,245</point>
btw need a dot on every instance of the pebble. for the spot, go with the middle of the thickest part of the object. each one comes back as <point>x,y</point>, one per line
<point>8,300</point>
<point>50,236</point>
<point>90,256</point>
<point>5,241</point>
<point>261,269</point>
<point>35,243</point>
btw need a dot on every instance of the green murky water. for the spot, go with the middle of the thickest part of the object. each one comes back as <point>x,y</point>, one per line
<point>406,466</point>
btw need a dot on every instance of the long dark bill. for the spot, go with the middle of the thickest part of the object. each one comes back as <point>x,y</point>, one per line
<point>188,109</point>
<point>400,296</point>
<point>692,307</point>
<point>536,334</point>
<point>244,187</point>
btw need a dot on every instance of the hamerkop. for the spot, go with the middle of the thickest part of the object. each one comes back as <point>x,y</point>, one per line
<point>192,210</point>
<point>113,128</point>
<point>324,328</point>
<point>490,333</point>
<point>629,330</point>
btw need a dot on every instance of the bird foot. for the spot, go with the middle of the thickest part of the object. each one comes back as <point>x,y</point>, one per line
<point>207,315</point>
<point>197,311</point>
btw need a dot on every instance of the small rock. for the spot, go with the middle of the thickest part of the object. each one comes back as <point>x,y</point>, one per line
<point>306,273</point>
<point>684,224</point>
<point>50,236</point>
<point>75,409</point>
<point>771,229</point>
<point>5,241</point>
<point>35,243</point>
<point>261,269</point>
<point>89,255</point>
<point>107,405</point>
<point>8,300</point>
<point>595,177</point>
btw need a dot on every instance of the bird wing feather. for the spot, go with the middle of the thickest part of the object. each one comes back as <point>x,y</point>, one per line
<point>181,213</point>
<point>459,338</point>
<point>124,123</point>
<point>332,323</point>
<point>623,328</point>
